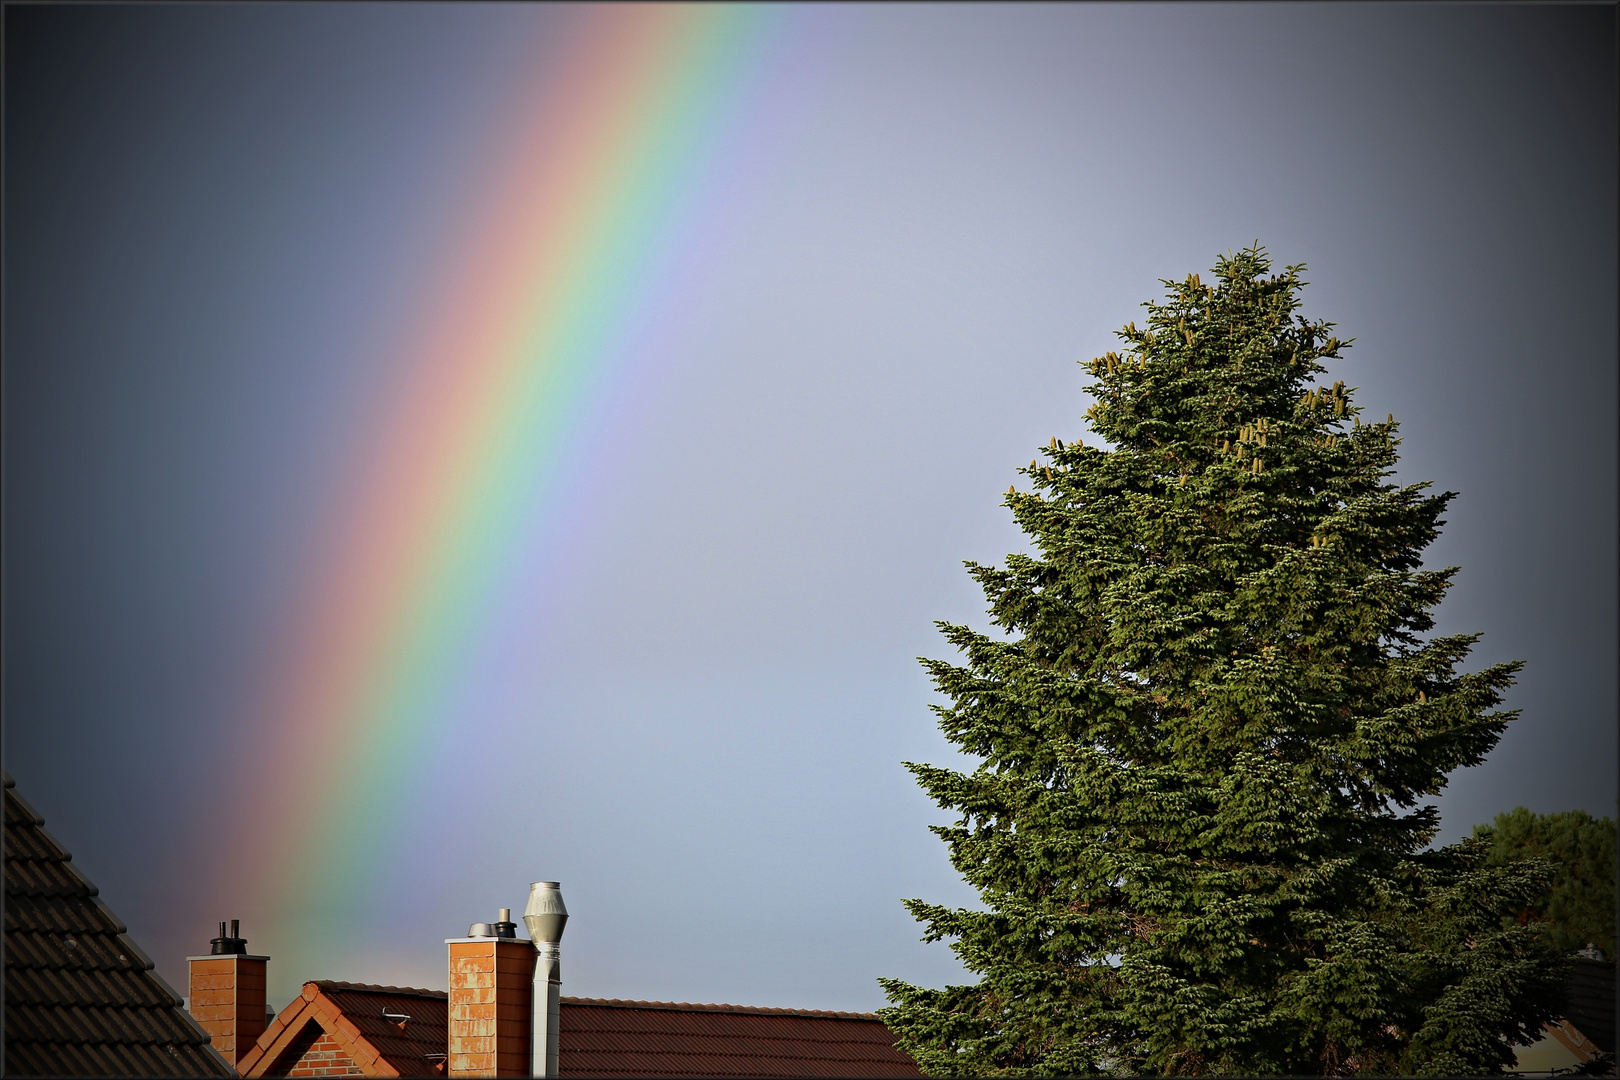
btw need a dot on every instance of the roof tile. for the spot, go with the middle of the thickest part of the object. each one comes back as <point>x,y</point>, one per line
<point>1591,1004</point>
<point>638,1038</point>
<point>81,997</point>
<point>633,1038</point>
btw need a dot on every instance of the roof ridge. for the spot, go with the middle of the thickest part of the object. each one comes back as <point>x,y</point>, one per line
<point>374,988</point>
<point>612,1003</point>
<point>688,1006</point>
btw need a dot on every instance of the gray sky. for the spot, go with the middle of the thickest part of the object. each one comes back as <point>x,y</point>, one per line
<point>211,211</point>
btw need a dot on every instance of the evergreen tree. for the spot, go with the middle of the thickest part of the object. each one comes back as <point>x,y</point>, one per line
<point>1204,736</point>
<point>1578,905</point>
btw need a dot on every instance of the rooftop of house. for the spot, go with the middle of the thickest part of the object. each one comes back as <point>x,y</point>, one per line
<point>82,999</point>
<point>384,1030</point>
<point>403,1031</point>
<point>1591,1003</point>
<point>653,1038</point>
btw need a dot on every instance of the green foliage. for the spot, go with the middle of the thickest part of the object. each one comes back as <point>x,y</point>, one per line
<point>1195,828</point>
<point>1578,906</point>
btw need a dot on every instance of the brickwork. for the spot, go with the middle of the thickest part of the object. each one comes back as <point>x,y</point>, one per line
<point>490,987</point>
<point>324,1057</point>
<point>227,1000</point>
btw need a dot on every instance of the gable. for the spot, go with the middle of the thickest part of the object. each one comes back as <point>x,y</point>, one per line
<point>354,1029</point>
<point>312,1051</point>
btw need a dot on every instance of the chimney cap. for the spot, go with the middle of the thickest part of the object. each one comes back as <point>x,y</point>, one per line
<point>231,944</point>
<point>504,927</point>
<point>546,914</point>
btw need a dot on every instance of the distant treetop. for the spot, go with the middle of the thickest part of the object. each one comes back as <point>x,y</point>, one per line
<point>1579,904</point>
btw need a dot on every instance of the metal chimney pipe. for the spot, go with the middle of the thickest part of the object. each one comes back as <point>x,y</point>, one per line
<point>229,944</point>
<point>545,916</point>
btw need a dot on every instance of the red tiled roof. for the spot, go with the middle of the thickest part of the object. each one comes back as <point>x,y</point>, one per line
<point>599,1037</point>
<point>411,1047</point>
<point>672,1039</point>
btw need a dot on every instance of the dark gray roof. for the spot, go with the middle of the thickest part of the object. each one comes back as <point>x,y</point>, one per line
<point>1591,1002</point>
<point>82,998</point>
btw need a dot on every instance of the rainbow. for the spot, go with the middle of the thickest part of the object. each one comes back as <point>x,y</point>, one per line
<point>555,265</point>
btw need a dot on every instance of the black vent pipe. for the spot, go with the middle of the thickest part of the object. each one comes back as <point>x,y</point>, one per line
<point>229,945</point>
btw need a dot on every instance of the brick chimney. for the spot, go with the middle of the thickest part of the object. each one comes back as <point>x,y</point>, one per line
<point>227,993</point>
<point>491,974</point>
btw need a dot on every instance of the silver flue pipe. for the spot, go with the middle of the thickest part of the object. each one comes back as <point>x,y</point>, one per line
<point>545,916</point>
